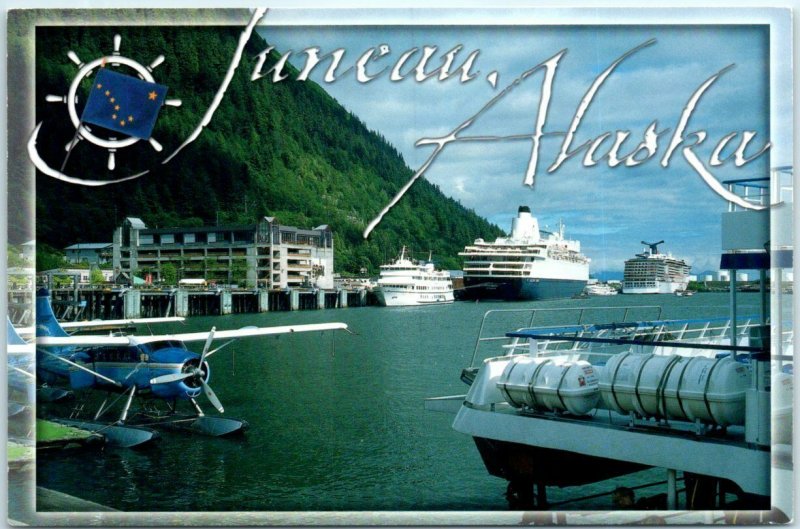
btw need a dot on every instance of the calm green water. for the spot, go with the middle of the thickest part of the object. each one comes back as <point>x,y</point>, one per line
<point>337,422</point>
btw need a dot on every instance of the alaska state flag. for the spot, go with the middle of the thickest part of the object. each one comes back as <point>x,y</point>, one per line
<point>124,104</point>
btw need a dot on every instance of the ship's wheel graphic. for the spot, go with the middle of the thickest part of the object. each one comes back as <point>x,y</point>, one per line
<point>85,70</point>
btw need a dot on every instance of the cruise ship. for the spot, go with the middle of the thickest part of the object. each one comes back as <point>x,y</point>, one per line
<point>531,264</point>
<point>652,272</point>
<point>405,283</point>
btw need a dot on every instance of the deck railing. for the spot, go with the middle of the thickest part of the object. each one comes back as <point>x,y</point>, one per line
<point>614,335</point>
<point>495,324</point>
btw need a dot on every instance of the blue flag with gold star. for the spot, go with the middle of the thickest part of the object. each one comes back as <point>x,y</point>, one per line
<point>124,104</point>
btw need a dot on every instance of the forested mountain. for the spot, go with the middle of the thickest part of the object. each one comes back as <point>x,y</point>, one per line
<point>284,149</point>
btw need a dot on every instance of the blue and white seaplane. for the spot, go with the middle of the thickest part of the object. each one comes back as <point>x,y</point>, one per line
<point>150,367</point>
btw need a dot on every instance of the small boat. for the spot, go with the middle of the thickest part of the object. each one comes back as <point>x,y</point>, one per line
<point>599,289</point>
<point>405,283</point>
<point>684,293</point>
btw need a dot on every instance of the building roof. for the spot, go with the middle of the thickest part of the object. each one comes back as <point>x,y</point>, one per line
<point>202,229</point>
<point>136,223</point>
<point>89,246</point>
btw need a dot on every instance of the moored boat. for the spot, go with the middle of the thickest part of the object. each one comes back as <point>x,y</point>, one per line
<point>595,288</point>
<point>576,403</point>
<point>652,272</point>
<point>406,283</point>
<point>530,264</point>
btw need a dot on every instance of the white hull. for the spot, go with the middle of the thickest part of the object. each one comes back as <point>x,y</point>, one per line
<point>403,283</point>
<point>660,287</point>
<point>396,298</point>
<point>529,264</point>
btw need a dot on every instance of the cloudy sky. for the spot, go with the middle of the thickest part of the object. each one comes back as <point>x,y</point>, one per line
<point>608,209</point>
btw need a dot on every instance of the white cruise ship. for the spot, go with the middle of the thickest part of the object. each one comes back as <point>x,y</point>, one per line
<point>531,264</point>
<point>652,272</point>
<point>404,283</point>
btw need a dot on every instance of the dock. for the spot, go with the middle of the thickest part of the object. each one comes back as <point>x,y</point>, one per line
<point>50,435</point>
<point>116,303</point>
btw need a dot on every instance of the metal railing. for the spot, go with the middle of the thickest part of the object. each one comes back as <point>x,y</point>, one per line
<point>573,316</point>
<point>753,190</point>
<point>710,336</point>
<point>612,336</point>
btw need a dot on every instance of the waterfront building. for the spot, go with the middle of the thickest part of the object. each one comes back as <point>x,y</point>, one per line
<point>83,276</point>
<point>91,252</point>
<point>264,254</point>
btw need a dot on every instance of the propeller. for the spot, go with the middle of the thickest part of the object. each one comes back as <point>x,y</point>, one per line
<point>197,373</point>
<point>212,397</point>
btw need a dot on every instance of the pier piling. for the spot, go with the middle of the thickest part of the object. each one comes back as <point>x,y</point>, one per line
<point>181,303</point>
<point>225,302</point>
<point>106,303</point>
<point>132,303</point>
<point>320,299</point>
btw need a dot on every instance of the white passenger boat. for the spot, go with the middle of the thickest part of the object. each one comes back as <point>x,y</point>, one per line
<point>595,288</point>
<point>706,400</point>
<point>405,283</point>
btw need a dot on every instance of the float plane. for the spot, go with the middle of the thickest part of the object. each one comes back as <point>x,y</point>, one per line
<point>151,366</point>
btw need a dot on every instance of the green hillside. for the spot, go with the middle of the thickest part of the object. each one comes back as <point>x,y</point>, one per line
<point>287,150</point>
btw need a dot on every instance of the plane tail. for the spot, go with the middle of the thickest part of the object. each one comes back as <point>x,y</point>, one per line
<point>12,337</point>
<point>46,321</point>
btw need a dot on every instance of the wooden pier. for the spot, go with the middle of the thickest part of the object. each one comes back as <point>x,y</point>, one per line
<point>117,303</point>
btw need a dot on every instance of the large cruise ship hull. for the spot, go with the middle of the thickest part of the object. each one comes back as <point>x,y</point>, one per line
<point>519,289</point>
<point>660,287</point>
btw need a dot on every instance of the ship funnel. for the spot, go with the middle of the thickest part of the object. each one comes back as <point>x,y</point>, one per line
<point>525,226</point>
<point>653,246</point>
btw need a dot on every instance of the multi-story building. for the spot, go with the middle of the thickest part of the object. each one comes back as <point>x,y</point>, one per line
<point>265,254</point>
<point>92,252</point>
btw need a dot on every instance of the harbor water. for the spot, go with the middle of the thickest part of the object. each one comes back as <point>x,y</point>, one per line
<point>337,421</point>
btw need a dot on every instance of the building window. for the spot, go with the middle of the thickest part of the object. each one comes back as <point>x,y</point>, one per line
<point>168,238</point>
<point>188,238</point>
<point>145,239</point>
<point>212,237</point>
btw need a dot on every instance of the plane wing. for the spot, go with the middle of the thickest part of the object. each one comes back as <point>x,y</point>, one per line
<point>83,341</point>
<point>94,324</point>
<point>20,349</point>
<point>245,332</point>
